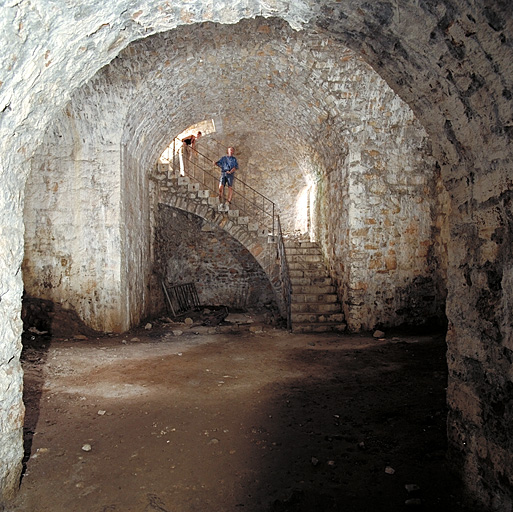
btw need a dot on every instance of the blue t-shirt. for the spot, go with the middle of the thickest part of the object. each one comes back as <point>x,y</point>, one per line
<point>227,163</point>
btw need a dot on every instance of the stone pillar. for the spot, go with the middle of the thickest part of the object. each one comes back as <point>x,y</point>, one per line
<point>480,335</point>
<point>11,375</point>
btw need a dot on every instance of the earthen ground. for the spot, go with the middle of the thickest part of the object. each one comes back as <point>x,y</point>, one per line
<point>236,421</point>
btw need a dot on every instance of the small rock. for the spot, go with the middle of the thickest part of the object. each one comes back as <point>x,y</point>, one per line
<point>80,337</point>
<point>413,502</point>
<point>101,413</point>
<point>189,321</point>
<point>315,461</point>
<point>86,448</point>
<point>389,470</point>
<point>378,334</point>
<point>135,339</point>
<point>35,331</point>
<point>214,441</point>
<point>148,326</point>
<point>361,446</point>
<point>177,332</point>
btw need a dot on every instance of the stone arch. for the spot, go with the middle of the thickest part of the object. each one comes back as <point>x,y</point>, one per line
<point>456,75</point>
<point>257,255</point>
<point>153,89</point>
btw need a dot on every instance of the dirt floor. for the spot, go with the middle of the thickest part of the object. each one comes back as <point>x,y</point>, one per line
<point>231,419</point>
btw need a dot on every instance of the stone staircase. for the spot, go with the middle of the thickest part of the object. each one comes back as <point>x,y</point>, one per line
<point>184,193</point>
<point>315,305</point>
<point>314,302</point>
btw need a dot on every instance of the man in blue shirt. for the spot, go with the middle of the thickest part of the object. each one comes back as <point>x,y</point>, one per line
<point>228,165</point>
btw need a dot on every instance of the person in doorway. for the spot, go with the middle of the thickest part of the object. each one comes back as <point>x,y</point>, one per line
<point>189,149</point>
<point>228,165</point>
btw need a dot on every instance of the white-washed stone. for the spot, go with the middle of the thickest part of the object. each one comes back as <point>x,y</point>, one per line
<point>451,63</point>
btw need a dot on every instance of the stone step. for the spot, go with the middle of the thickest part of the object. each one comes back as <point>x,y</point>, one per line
<point>317,308</point>
<point>318,327</point>
<point>315,279</point>
<point>314,294</point>
<point>193,187</point>
<point>309,274</point>
<point>317,318</point>
<point>304,258</point>
<point>294,243</point>
<point>295,251</point>
<point>306,266</point>
<point>204,194</point>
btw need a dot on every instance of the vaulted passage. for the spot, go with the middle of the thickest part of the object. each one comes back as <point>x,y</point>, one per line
<point>381,133</point>
<point>315,122</point>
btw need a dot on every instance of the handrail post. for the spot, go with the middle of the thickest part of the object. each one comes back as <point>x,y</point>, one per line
<point>273,219</point>
<point>174,154</point>
<point>253,204</point>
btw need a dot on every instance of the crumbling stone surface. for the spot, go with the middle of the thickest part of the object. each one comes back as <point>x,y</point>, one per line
<point>223,271</point>
<point>362,159</point>
<point>44,317</point>
<point>451,62</point>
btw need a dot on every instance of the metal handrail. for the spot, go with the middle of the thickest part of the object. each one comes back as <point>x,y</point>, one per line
<point>286,285</point>
<point>249,206</point>
<point>248,200</point>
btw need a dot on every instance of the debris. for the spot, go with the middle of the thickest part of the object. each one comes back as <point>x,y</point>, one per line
<point>135,339</point>
<point>86,448</point>
<point>378,334</point>
<point>188,321</point>
<point>413,502</point>
<point>148,326</point>
<point>389,470</point>
<point>212,318</point>
<point>101,413</point>
<point>315,461</point>
<point>80,337</point>
<point>177,332</point>
<point>36,331</point>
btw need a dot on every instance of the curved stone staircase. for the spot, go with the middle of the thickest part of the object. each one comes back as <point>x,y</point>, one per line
<point>183,193</point>
<point>314,306</point>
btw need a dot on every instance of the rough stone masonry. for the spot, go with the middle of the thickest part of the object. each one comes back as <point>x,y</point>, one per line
<point>450,63</point>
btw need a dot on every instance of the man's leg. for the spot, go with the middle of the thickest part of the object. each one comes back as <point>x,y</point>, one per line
<point>230,193</point>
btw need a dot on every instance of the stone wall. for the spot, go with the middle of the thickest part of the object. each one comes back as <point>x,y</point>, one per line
<point>332,111</point>
<point>73,236</point>
<point>189,249</point>
<point>451,62</point>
